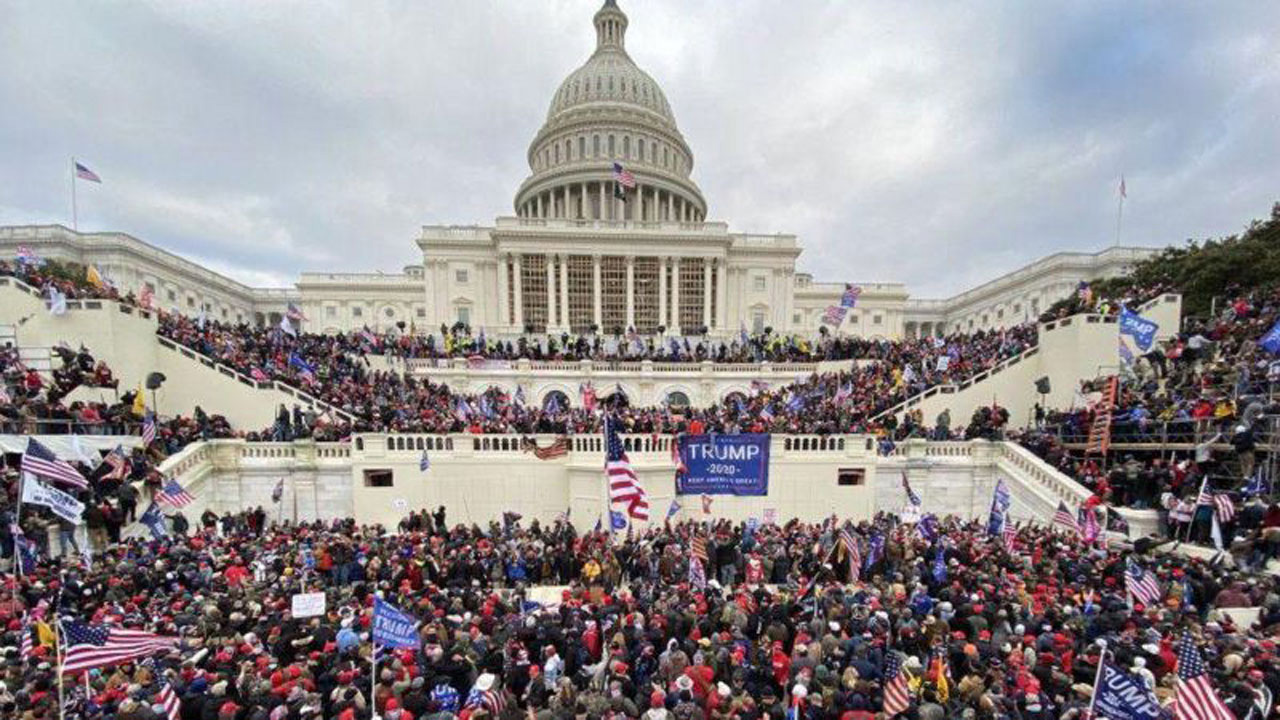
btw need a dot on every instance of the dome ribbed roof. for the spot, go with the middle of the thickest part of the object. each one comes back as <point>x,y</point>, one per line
<point>610,77</point>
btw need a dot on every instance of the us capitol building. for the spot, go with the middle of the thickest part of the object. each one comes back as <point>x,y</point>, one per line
<point>581,253</point>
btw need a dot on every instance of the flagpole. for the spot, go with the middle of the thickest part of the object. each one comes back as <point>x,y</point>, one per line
<point>1120,210</point>
<point>373,683</point>
<point>58,653</point>
<point>75,221</point>
<point>1097,678</point>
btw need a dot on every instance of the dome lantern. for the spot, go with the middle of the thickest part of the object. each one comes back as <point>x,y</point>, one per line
<point>611,27</point>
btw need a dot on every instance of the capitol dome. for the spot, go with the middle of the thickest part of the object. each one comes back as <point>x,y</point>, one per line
<point>609,112</point>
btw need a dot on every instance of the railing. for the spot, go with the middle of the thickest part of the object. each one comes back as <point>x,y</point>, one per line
<point>950,388</point>
<point>236,375</point>
<point>586,367</point>
<point>54,426</point>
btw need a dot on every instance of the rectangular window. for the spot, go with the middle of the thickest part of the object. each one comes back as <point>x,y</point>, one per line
<point>758,283</point>
<point>378,478</point>
<point>795,319</point>
<point>460,276</point>
<point>420,312</point>
<point>533,280</point>
<point>357,312</point>
<point>581,299</point>
<point>173,296</point>
<point>691,293</point>
<point>876,319</point>
<point>191,302</point>
<point>330,311</point>
<point>464,314</point>
<point>757,322</point>
<point>851,477</point>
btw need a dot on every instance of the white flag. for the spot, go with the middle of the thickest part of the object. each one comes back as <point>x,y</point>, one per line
<point>57,301</point>
<point>63,505</point>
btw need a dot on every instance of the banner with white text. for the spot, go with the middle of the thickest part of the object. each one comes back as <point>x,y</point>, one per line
<point>724,465</point>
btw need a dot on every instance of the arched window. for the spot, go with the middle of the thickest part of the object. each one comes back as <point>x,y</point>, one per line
<point>557,153</point>
<point>595,141</point>
<point>582,147</point>
<point>626,146</point>
<point>555,401</point>
<point>568,150</point>
<point>612,150</point>
<point>677,400</point>
<point>640,149</point>
<point>664,157</point>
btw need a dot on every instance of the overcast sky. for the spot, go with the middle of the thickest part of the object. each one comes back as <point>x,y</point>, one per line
<point>940,144</point>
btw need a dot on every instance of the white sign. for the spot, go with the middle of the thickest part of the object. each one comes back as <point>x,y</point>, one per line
<point>63,505</point>
<point>308,604</point>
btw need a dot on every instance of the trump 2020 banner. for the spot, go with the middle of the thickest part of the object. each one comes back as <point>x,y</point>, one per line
<point>724,465</point>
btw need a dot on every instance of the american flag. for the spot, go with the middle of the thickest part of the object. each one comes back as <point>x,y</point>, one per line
<point>896,695</point>
<point>624,484</point>
<point>911,494</point>
<point>116,462</point>
<point>1205,497</point>
<point>1089,527</point>
<point>85,173</point>
<point>850,297</point>
<point>93,646</point>
<point>1141,583</point>
<point>148,429</point>
<point>624,176</point>
<point>559,448</point>
<point>852,554</point>
<point>40,460</point>
<point>169,699</point>
<point>1064,518</point>
<point>174,495</point>
<point>834,315</point>
<point>706,504</point>
<point>1010,535</point>
<point>1223,507</point>
<point>698,548</point>
<point>1195,698</point>
<point>146,297</point>
<point>27,646</point>
<point>293,312</point>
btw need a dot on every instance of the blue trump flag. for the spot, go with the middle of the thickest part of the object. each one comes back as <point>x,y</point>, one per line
<point>391,627</point>
<point>1141,329</point>
<point>617,520</point>
<point>1121,696</point>
<point>154,521</point>
<point>1271,341</point>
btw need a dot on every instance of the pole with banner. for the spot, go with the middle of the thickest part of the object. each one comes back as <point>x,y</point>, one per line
<point>1097,677</point>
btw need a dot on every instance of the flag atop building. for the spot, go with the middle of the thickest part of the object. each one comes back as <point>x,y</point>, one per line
<point>85,173</point>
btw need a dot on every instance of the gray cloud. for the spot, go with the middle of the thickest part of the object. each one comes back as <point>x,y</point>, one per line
<point>934,143</point>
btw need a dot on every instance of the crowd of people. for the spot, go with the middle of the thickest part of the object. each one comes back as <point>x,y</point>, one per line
<point>778,623</point>
<point>32,403</point>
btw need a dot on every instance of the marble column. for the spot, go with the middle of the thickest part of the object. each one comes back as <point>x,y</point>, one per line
<point>675,295</point>
<point>722,294</point>
<point>504,291</point>
<point>707,269</point>
<point>519,283</point>
<point>564,291</point>
<point>551,291</point>
<point>662,290</point>
<point>631,291</point>
<point>596,311</point>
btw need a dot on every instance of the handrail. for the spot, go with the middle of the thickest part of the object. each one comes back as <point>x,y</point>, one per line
<point>953,387</point>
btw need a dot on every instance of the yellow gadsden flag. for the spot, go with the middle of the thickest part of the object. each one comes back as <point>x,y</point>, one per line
<point>93,277</point>
<point>139,402</point>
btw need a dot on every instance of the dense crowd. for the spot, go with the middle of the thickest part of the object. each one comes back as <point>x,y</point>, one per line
<point>774,626</point>
<point>34,403</point>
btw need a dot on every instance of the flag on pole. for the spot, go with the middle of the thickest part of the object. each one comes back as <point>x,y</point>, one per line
<point>174,495</point>
<point>95,646</point>
<point>851,552</point>
<point>40,461</point>
<point>85,173</point>
<point>57,302</point>
<point>706,504</point>
<point>93,277</point>
<point>148,429</point>
<point>154,520</point>
<point>912,497</point>
<point>850,296</point>
<point>293,312</point>
<point>624,484</point>
<point>673,508</point>
<point>1065,519</point>
<point>676,458</point>
<point>26,646</point>
<point>1224,509</point>
<point>623,176</point>
<point>1123,191</point>
<point>1194,696</point>
<point>1141,583</point>
<point>698,548</point>
<point>424,463</point>
<point>278,493</point>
